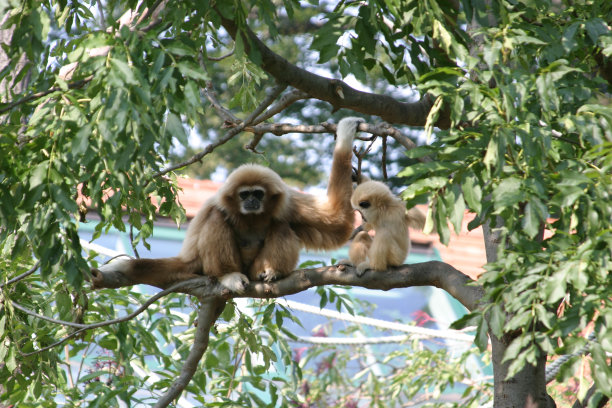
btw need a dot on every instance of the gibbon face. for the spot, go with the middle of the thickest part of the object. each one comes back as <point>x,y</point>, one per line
<point>253,190</point>
<point>251,199</point>
<point>371,198</point>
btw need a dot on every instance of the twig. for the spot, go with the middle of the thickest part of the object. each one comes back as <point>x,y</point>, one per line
<point>279,129</point>
<point>254,142</point>
<point>222,57</point>
<point>132,242</point>
<point>67,361</point>
<point>208,314</point>
<point>152,11</point>
<point>177,287</point>
<point>101,11</point>
<point>284,102</point>
<point>22,276</point>
<point>25,99</point>
<point>384,158</point>
<point>271,96</point>
<point>225,114</point>
<point>231,133</point>
<point>228,136</point>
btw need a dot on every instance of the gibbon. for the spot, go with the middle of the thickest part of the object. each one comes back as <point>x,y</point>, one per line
<point>385,214</point>
<point>255,226</point>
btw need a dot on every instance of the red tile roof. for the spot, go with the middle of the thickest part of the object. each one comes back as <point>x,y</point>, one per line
<point>465,251</point>
<point>194,193</point>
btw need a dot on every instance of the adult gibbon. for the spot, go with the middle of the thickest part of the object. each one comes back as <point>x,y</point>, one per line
<point>387,216</point>
<point>255,225</point>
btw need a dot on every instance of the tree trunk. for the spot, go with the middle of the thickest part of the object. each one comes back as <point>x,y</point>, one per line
<point>527,389</point>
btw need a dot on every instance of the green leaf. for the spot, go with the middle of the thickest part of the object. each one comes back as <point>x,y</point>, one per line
<point>595,28</point>
<point>496,320</point>
<point>491,158</point>
<point>443,36</point>
<point>532,220</point>
<point>177,48</point>
<point>175,127</point>
<point>80,142</point>
<point>423,186</point>
<point>554,289</point>
<point>38,175</point>
<point>440,216</point>
<point>64,305</point>
<point>192,70</point>
<point>456,205</point>
<point>482,337</point>
<point>508,193</point>
<point>124,71</point>
<point>472,192</point>
<point>327,52</point>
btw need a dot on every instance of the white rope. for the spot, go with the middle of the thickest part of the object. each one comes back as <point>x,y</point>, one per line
<point>351,341</point>
<point>99,248</point>
<point>381,324</point>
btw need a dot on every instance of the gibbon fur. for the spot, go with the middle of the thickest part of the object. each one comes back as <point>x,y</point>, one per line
<point>255,226</point>
<point>385,214</point>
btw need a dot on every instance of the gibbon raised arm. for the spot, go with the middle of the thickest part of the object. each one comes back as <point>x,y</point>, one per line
<point>255,225</point>
<point>387,216</point>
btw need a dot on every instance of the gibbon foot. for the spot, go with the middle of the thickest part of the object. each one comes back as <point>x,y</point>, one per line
<point>362,268</point>
<point>111,275</point>
<point>268,275</point>
<point>235,281</point>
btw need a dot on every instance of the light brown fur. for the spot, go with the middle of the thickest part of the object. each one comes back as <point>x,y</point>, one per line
<point>387,216</point>
<point>225,243</point>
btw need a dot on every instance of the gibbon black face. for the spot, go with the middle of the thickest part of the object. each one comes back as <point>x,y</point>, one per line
<point>251,199</point>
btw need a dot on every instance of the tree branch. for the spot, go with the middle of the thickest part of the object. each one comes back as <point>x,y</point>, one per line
<point>25,99</point>
<point>284,102</point>
<point>202,287</point>
<point>381,130</point>
<point>208,314</point>
<point>22,276</point>
<point>432,273</point>
<point>334,91</point>
<point>271,96</point>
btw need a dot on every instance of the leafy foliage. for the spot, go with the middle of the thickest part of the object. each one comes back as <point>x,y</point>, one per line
<point>529,151</point>
<point>535,162</point>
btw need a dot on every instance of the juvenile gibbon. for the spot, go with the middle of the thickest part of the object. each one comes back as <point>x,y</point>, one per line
<point>255,226</point>
<point>385,214</point>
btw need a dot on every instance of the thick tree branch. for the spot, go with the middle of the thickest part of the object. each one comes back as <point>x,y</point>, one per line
<point>208,314</point>
<point>432,273</point>
<point>334,91</point>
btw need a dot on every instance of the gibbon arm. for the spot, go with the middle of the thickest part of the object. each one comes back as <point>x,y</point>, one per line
<point>328,224</point>
<point>216,245</point>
